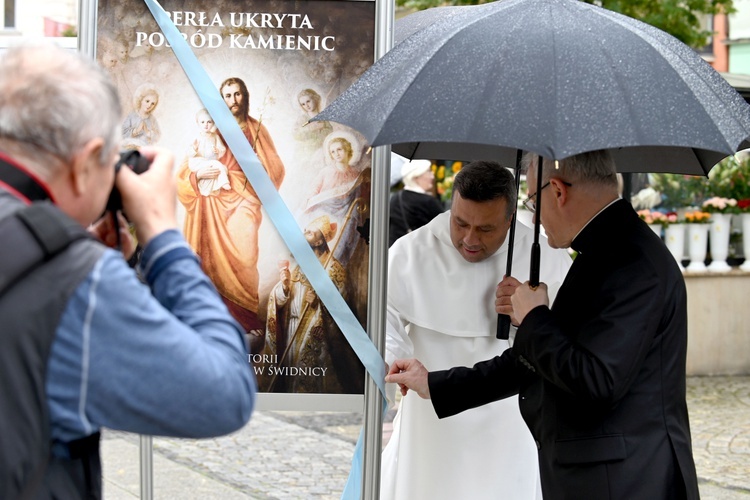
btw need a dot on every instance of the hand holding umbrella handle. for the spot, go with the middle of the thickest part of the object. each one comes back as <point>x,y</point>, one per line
<point>503,320</point>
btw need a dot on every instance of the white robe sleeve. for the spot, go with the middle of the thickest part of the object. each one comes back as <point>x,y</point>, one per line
<point>397,342</point>
<point>398,345</point>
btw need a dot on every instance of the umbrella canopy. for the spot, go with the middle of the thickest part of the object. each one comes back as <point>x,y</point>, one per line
<point>555,77</point>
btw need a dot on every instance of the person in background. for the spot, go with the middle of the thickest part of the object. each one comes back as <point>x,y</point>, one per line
<point>86,344</point>
<point>415,205</point>
<point>442,308</point>
<point>395,179</point>
<point>600,371</point>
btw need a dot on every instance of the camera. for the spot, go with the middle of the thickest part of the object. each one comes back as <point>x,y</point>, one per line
<point>137,163</point>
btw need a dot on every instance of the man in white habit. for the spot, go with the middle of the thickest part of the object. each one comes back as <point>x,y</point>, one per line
<point>442,285</point>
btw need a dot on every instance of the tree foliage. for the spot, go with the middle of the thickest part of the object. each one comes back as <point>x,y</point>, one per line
<point>680,18</point>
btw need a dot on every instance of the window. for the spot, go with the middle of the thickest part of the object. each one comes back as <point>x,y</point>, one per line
<point>9,13</point>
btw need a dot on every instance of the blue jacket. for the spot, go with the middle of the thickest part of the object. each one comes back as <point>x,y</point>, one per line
<point>162,358</point>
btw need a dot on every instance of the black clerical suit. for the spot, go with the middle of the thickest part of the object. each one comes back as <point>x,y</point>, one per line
<point>600,376</point>
<point>411,210</point>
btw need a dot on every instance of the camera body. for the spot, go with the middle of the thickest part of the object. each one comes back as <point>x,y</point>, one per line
<point>137,163</point>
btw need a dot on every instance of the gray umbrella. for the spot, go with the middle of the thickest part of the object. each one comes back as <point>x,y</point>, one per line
<point>555,77</point>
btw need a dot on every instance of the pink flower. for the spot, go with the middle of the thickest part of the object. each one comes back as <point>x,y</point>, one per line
<point>652,217</point>
<point>717,204</point>
<point>659,217</point>
<point>645,215</point>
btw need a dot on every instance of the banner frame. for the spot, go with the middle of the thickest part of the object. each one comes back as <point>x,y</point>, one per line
<point>377,277</point>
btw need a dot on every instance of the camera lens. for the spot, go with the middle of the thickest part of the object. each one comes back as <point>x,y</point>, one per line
<point>137,163</point>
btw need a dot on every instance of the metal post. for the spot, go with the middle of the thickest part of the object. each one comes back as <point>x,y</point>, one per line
<point>378,272</point>
<point>378,285</point>
<point>87,27</point>
<point>147,468</point>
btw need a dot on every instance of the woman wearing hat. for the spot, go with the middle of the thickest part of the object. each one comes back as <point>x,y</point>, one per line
<point>414,206</point>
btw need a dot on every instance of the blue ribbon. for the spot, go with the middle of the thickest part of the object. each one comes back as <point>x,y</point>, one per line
<point>282,219</point>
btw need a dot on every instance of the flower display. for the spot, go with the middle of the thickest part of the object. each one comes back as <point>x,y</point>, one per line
<point>679,190</point>
<point>445,188</point>
<point>697,217</point>
<point>673,218</point>
<point>444,179</point>
<point>654,217</point>
<point>731,178</point>
<point>726,190</point>
<point>719,205</point>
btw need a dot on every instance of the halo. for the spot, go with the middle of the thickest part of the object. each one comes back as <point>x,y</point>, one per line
<point>300,88</point>
<point>349,137</point>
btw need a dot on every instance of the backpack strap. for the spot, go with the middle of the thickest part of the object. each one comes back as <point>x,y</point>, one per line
<point>31,236</point>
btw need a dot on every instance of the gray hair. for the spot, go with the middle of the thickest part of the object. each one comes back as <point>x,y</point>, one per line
<point>486,181</point>
<point>593,168</point>
<point>54,101</point>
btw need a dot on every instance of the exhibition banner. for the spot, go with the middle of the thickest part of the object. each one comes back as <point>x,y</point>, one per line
<point>275,64</point>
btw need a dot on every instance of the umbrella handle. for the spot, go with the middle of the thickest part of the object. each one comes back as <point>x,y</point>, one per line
<point>503,320</point>
<point>503,327</point>
<point>536,251</point>
<point>534,270</point>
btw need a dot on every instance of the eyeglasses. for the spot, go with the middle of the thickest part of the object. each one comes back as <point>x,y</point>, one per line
<point>529,202</point>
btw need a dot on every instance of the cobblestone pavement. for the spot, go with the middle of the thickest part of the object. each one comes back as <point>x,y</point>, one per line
<point>307,455</point>
<point>720,425</point>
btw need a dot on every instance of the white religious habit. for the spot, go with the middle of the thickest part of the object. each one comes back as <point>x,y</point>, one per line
<point>441,310</point>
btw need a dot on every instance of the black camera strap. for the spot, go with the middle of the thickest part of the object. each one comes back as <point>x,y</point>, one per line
<point>16,178</point>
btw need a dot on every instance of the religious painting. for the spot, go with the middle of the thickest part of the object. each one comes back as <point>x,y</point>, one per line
<point>275,63</point>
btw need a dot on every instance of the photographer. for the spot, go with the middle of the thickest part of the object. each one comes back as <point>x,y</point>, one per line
<point>85,344</point>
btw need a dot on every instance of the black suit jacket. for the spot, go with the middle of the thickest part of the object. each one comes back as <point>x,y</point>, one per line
<point>600,375</point>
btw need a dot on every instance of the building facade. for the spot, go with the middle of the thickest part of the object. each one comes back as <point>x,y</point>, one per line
<point>38,18</point>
